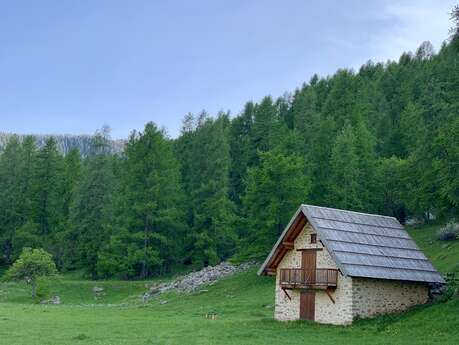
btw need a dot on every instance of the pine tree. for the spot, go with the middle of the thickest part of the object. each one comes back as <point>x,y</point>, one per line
<point>391,188</point>
<point>47,186</point>
<point>275,189</point>
<point>266,128</point>
<point>344,185</point>
<point>447,161</point>
<point>365,144</point>
<point>241,151</point>
<point>150,210</point>
<point>305,115</point>
<point>72,177</point>
<point>212,235</point>
<point>28,159</point>
<point>91,211</point>
<point>318,158</point>
<point>340,103</point>
<point>412,128</point>
<point>10,207</point>
<point>73,167</point>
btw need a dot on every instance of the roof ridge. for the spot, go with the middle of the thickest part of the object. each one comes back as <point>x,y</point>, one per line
<point>348,211</point>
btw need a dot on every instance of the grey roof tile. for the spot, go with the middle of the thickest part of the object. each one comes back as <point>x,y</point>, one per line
<point>372,246</point>
<point>367,245</point>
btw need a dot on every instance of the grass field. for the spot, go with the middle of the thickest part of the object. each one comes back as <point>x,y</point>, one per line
<point>244,304</point>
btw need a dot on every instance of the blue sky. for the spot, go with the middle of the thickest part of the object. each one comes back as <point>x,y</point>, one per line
<point>74,66</point>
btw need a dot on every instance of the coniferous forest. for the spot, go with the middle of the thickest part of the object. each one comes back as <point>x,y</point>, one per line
<point>383,139</point>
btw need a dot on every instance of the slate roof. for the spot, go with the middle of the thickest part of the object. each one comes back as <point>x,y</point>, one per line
<point>366,245</point>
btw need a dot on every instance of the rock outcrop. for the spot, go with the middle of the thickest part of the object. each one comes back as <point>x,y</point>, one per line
<point>84,143</point>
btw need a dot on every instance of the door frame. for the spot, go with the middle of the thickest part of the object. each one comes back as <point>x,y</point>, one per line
<point>308,297</point>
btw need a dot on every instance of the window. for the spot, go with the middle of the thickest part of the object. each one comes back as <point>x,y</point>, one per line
<point>313,238</point>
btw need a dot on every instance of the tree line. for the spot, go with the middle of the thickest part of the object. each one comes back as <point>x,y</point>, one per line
<point>384,139</point>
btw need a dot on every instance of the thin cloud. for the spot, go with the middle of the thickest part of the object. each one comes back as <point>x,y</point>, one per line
<point>413,23</point>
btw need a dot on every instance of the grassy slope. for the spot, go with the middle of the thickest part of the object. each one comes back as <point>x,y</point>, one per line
<point>444,255</point>
<point>241,303</point>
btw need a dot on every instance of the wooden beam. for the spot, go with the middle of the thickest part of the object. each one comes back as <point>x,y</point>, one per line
<point>327,291</point>
<point>285,291</point>
<point>270,271</point>
<point>288,245</point>
<point>296,228</point>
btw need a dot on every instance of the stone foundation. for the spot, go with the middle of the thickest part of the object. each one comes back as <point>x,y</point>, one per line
<point>371,297</point>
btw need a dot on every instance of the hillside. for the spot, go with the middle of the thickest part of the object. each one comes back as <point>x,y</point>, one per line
<point>243,303</point>
<point>382,139</point>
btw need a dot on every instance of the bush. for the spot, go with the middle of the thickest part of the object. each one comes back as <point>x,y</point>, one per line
<point>449,232</point>
<point>31,265</point>
<point>452,286</point>
<point>44,288</point>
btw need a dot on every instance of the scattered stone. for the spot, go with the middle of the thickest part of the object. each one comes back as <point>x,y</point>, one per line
<point>191,282</point>
<point>163,302</point>
<point>54,300</point>
<point>97,289</point>
<point>268,306</point>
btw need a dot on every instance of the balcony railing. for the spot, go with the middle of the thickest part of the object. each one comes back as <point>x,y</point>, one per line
<point>301,278</point>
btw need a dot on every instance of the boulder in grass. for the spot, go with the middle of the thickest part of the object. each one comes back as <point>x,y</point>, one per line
<point>97,290</point>
<point>54,300</point>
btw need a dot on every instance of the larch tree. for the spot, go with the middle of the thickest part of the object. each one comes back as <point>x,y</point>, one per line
<point>150,208</point>
<point>10,207</point>
<point>344,187</point>
<point>212,235</point>
<point>274,189</point>
<point>90,213</point>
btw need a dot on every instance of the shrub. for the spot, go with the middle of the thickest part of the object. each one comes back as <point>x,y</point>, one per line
<point>449,232</point>
<point>452,286</point>
<point>45,287</point>
<point>31,265</point>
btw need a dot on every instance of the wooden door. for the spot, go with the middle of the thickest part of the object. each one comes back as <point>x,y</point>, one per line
<point>308,264</point>
<point>307,304</point>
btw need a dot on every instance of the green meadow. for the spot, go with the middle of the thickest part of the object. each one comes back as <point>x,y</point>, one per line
<point>243,304</point>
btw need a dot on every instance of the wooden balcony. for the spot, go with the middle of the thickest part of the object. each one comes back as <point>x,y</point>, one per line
<point>298,278</point>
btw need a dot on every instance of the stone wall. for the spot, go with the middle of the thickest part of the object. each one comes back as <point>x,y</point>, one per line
<point>326,311</point>
<point>377,296</point>
<point>340,312</point>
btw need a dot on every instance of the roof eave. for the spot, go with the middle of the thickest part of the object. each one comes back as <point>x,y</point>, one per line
<point>279,241</point>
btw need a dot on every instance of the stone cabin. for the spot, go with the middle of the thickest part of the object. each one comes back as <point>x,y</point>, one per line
<point>332,266</point>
